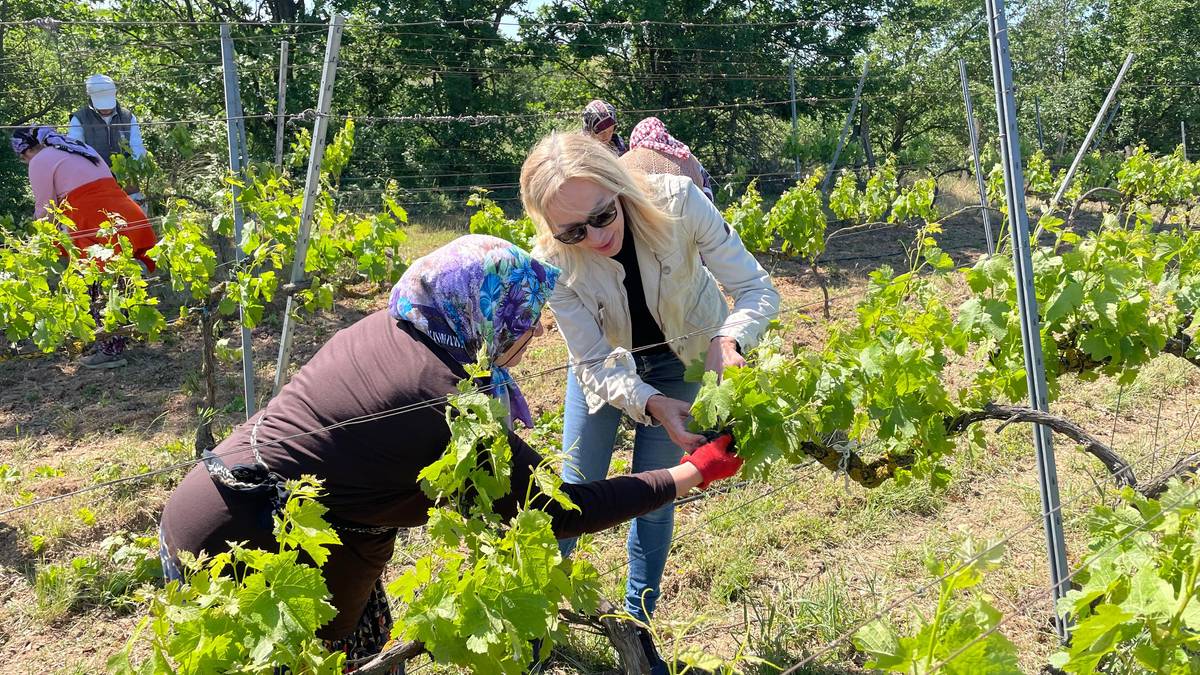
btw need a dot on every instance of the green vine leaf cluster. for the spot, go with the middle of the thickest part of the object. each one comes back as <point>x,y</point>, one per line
<point>1133,602</point>
<point>247,610</point>
<point>489,219</point>
<point>1137,603</point>
<point>1109,300</point>
<point>798,217</point>
<point>45,287</point>
<point>143,172</point>
<point>185,254</point>
<point>1039,176</point>
<point>1168,180</point>
<point>873,202</point>
<point>766,404</point>
<point>915,203</point>
<point>489,587</point>
<point>960,637</point>
<point>746,217</point>
<point>878,380</point>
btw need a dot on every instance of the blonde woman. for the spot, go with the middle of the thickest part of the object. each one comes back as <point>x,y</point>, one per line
<point>635,303</point>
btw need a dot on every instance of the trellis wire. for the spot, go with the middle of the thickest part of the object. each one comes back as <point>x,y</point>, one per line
<point>392,411</point>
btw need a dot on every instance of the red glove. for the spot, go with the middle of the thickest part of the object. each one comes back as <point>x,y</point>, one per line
<point>714,460</point>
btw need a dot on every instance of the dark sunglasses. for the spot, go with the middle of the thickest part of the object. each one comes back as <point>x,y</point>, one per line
<point>578,232</point>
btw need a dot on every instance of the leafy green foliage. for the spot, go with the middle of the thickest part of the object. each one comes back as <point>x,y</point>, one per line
<point>880,191</point>
<point>1108,304</point>
<point>915,203</point>
<point>142,173</point>
<point>879,379</point>
<point>872,203</point>
<point>489,586</point>
<point>1039,177</point>
<point>107,577</point>
<point>799,219</point>
<point>1137,605</point>
<point>247,610</point>
<point>1167,180</point>
<point>45,282</point>
<point>490,219</point>
<point>764,404</point>
<point>184,253</point>
<point>9,476</point>
<point>747,218</point>
<point>547,431</point>
<point>844,199</point>
<point>961,629</point>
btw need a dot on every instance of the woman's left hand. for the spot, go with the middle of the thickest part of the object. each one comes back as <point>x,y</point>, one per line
<point>722,354</point>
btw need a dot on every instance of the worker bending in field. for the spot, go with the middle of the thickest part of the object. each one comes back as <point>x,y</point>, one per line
<point>73,176</point>
<point>600,121</point>
<point>438,319</point>
<point>653,150</point>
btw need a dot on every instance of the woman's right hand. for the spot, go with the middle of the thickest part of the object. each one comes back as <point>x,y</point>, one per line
<point>673,414</point>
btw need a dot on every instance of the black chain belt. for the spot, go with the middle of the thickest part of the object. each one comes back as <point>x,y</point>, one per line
<point>257,478</point>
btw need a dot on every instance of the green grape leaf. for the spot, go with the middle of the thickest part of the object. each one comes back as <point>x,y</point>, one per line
<point>715,402</point>
<point>1066,300</point>
<point>302,525</point>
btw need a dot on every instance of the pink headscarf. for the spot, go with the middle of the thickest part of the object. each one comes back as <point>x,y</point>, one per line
<point>652,133</point>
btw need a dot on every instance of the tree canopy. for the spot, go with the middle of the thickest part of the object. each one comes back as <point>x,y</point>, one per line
<point>451,95</point>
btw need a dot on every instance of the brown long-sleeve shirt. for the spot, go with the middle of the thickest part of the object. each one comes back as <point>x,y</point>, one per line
<point>369,467</point>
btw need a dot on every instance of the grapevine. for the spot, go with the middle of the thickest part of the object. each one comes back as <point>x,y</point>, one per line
<point>490,587</point>
<point>247,610</point>
<point>956,622</point>
<point>489,219</point>
<point>1111,300</point>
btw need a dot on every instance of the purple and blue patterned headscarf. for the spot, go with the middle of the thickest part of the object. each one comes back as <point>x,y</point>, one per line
<point>477,292</point>
<point>31,137</point>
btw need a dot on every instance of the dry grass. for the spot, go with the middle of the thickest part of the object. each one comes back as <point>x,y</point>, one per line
<point>780,567</point>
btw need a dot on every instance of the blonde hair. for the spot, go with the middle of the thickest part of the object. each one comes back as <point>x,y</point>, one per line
<point>560,157</point>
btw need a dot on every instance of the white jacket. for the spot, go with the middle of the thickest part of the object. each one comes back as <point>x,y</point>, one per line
<point>592,310</point>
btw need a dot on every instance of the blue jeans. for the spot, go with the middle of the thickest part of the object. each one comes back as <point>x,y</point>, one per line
<point>588,443</point>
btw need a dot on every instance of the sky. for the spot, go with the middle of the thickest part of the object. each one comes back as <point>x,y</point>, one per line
<point>509,28</point>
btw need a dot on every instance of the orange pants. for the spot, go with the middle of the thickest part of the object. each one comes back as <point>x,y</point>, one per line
<point>93,204</point>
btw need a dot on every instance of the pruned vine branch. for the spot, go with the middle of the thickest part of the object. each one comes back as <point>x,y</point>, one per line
<point>1120,469</point>
<point>385,660</point>
<point>872,474</point>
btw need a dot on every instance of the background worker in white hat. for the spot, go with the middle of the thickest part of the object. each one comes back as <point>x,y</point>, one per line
<point>108,127</point>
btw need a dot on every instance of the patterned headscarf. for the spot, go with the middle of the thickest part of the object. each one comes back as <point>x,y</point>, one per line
<point>598,116</point>
<point>652,133</point>
<point>477,291</point>
<point>29,137</point>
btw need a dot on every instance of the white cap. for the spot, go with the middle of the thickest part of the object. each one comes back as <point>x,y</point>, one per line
<point>103,92</point>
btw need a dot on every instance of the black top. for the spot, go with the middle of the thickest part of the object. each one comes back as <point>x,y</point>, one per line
<point>645,328</point>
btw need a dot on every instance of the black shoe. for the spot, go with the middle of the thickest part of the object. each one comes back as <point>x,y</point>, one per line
<point>657,665</point>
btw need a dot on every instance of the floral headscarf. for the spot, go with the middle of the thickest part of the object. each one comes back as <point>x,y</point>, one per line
<point>652,133</point>
<point>30,137</point>
<point>477,291</point>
